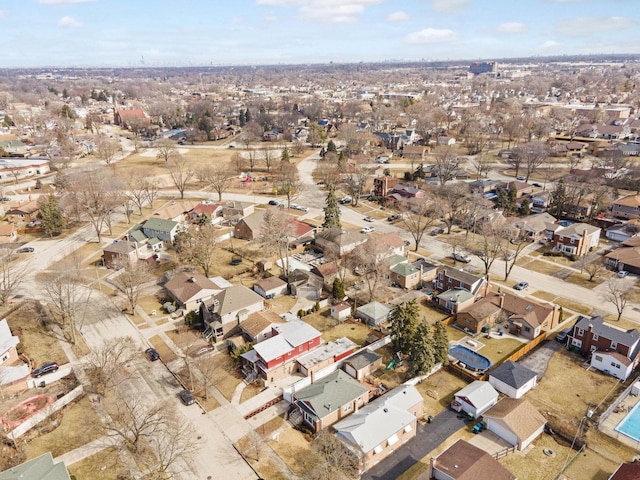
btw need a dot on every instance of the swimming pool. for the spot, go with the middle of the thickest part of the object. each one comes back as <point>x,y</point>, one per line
<point>630,424</point>
<point>471,359</point>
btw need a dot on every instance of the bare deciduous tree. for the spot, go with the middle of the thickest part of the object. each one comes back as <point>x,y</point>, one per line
<point>618,292</point>
<point>135,183</point>
<point>174,445</point>
<point>180,172</point>
<point>109,364</point>
<point>10,275</point>
<point>369,265</point>
<point>166,150</point>
<point>219,176</point>
<point>274,236</point>
<point>446,164</point>
<point>198,246</point>
<point>531,155</point>
<point>418,217</point>
<point>356,178</point>
<point>288,182</point>
<point>130,280</point>
<point>106,149</point>
<point>453,201</point>
<point>64,292</point>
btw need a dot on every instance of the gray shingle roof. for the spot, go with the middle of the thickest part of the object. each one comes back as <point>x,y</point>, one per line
<point>330,393</point>
<point>513,374</point>
<point>628,337</point>
<point>363,358</point>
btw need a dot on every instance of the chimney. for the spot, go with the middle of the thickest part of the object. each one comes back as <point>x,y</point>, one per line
<point>501,300</point>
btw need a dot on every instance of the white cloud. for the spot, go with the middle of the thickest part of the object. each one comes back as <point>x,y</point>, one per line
<point>550,46</point>
<point>2,14</point>
<point>512,27</point>
<point>329,11</point>
<point>398,16</point>
<point>588,25</point>
<point>448,6</point>
<point>270,17</point>
<point>431,35</point>
<point>63,2</point>
<point>69,22</point>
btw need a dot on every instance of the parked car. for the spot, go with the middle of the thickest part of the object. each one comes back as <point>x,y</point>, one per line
<point>274,202</point>
<point>393,217</point>
<point>369,219</point>
<point>462,257</point>
<point>521,285</point>
<point>406,243</point>
<point>536,184</point>
<point>622,273</point>
<point>26,250</point>
<point>49,367</point>
<point>295,206</point>
<point>367,230</point>
<point>186,398</point>
<point>152,354</point>
<point>521,178</point>
<point>563,334</point>
<point>345,200</point>
<point>436,231</point>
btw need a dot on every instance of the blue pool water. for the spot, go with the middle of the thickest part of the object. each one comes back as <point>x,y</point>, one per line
<point>471,359</point>
<point>630,425</point>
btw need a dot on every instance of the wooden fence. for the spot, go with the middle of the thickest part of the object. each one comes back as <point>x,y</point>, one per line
<point>524,349</point>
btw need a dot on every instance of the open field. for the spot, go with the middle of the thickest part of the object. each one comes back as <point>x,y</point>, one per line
<point>107,462</point>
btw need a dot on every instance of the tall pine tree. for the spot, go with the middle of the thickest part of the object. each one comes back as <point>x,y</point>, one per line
<point>53,221</point>
<point>441,343</point>
<point>421,350</point>
<point>331,211</point>
<point>404,323</point>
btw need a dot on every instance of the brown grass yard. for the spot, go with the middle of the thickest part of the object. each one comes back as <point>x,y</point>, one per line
<point>542,267</point>
<point>582,279</point>
<point>438,391</point>
<point>294,449</point>
<point>574,306</point>
<point>546,296</point>
<point>259,460</point>
<point>68,433</point>
<point>163,349</point>
<point>225,375</point>
<point>107,462</point>
<point>495,349</point>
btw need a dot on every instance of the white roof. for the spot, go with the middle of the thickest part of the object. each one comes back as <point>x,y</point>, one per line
<point>7,340</point>
<point>478,393</point>
<point>290,335</point>
<point>272,348</point>
<point>378,421</point>
<point>221,282</point>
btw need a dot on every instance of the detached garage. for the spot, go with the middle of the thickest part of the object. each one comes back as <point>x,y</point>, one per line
<point>515,421</point>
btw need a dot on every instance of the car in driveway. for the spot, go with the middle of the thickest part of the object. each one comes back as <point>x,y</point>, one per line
<point>563,334</point>
<point>462,257</point>
<point>345,200</point>
<point>45,368</point>
<point>393,217</point>
<point>367,230</point>
<point>274,203</point>
<point>152,354</point>
<point>369,219</point>
<point>521,285</point>
<point>26,250</point>
<point>186,397</point>
<point>436,231</point>
<point>622,273</point>
<point>536,184</point>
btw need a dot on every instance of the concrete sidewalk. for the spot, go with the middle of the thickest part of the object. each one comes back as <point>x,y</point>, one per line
<point>87,450</point>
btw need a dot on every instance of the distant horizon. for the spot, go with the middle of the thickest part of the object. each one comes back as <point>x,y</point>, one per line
<point>462,61</point>
<point>160,34</point>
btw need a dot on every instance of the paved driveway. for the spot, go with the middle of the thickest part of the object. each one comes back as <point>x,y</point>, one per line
<point>428,437</point>
<point>538,360</point>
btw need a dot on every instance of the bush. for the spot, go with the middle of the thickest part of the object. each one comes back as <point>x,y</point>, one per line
<point>316,307</point>
<point>301,313</point>
<point>169,307</point>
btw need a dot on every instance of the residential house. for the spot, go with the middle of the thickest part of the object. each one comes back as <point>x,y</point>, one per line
<point>161,229</point>
<point>626,471</point>
<point>330,399</point>
<point>177,211</point>
<point>475,399</point>
<point>12,369</point>
<point>14,147</point>
<point>463,461</point>
<point>258,326</point>
<point>535,227</point>
<point>459,289</point>
<point>275,357</point>
<point>338,241</point>
<point>208,210</point>
<point>119,253</point>
<point>233,211</point>
<point>383,426</point>
<point>328,272</point>
<point>373,313</point>
<point>521,188</point>
<point>540,201</point>
<point>523,316</point>
<point>26,212</point>
<point>382,186</point>
<point>413,153</point>
<point>516,421</point>
<point>250,227</point>
<point>443,140</point>
<point>576,239</point>
<point>341,311</point>
<point>513,379</point>
<point>39,468</point>
<point>389,244</point>
<point>612,350</point>
<point>429,270</point>
<point>406,275</point>
<point>8,232</point>
<point>625,258</point>
<point>362,364</point>
<point>486,187</point>
<point>271,287</point>
<point>190,289</point>
<point>627,207</point>
<point>303,283</point>
<point>225,310</point>
<point>325,355</point>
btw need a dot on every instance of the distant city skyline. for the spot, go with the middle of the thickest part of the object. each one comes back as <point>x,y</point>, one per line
<point>128,33</point>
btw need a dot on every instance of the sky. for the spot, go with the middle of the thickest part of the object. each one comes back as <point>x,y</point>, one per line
<point>161,33</point>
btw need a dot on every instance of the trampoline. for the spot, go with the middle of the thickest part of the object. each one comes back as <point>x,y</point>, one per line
<point>472,360</point>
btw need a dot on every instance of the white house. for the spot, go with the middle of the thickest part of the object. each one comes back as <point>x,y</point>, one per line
<point>340,311</point>
<point>475,399</point>
<point>513,379</point>
<point>270,287</point>
<point>613,363</point>
<point>515,421</point>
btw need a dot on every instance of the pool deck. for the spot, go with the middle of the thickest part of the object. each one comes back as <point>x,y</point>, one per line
<point>622,407</point>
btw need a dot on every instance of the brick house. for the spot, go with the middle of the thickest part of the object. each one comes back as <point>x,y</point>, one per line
<point>330,399</point>
<point>576,239</point>
<point>612,350</point>
<point>459,289</point>
<point>26,212</point>
<point>119,253</point>
<point>382,186</point>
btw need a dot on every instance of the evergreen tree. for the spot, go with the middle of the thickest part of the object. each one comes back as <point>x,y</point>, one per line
<point>404,323</point>
<point>247,116</point>
<point>285,157</point>
<point>421,350</point>
<point>331,211</point>
<point>441,343</point>
<point>419,173</point>
<point>338,289</point>
<point>322,152</point>
<point>242,118</point>
<point>53,221</point>
<point>331,147</point>
<point>558,199</point>
<point>525,208</point>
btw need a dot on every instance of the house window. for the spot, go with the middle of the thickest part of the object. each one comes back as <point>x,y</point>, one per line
<point>580,332</point>
<point>6,357</point>
<point>377,450</point>
<point>576,343</point>
<point>613,364</point>
<point>527,329</point>
<point>561,239</point>
<point>393,439</point>
<point>572,241</point>
<point>347,408</point>
<point>596,337</point>
<point>593,348</point>
<point>598,358</point>
<point>614,345</point>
